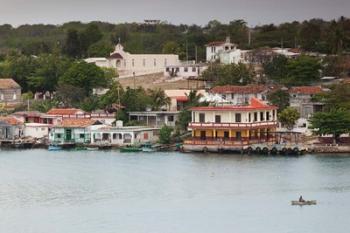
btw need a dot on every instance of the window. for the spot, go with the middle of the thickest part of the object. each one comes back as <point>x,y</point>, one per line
<point>232,96</point>
<point>186,69</point>
<point>194,69</point>
<point>267,116</point>
<point>217,119</point>
<point>155,62</point>
<point>238,117</point>
<point>81,136</point>
<point>226,134</point>
<point>273,114</point>
<point>170,118</point>
<point>249,117</point>
<point>238,135</point>
<point>58,135</point>
<point>177,69</point>
<point>262,118</point>
<point>255,116</point>
<point>133,62</point>
<point>167,69</point>
<point>144,62</point>
<point>115,136</point>
<point>201,117</point>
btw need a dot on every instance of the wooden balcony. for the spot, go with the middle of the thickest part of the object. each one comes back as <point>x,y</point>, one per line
<point>253,125</point>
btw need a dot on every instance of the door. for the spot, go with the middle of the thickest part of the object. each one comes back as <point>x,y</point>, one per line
<point>203,136</point>
<point>68,134</point>
<point>226,134</point>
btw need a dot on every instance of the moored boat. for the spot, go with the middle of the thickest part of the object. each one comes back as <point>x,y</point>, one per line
<point>301,203</point>
<point>54,148</point>
<point>130,149</point>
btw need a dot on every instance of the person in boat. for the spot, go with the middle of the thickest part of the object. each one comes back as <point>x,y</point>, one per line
<point>301,199</point>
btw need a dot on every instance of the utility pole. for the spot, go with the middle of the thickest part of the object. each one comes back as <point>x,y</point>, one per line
<point>249,37</point>
<point>186,50</point>
<point>195,49</point>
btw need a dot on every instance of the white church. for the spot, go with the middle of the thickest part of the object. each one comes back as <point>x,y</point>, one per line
<point>128,64</point>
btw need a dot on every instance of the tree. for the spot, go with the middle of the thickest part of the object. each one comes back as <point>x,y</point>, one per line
<point>135,99</point>
<point>171,47</point>
<point>158,99</point>
<point>165,134</point>
<point>70,95</point>
<point>100,49</point>
<point>89,36</point>
<point>47,72</point>
<point>229,74</point>
<point>335,122</point>
<point>304,70</point>
<point>86,76</point>
<point>277,68</point>
<point>72,47</point>
<point>288,117</point>
<point>279,98</point>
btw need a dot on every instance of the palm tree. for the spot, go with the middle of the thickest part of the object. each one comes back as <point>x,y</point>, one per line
<point>159,99</point>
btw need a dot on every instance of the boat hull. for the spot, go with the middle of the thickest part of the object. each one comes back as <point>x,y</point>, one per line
<point>302,203</point>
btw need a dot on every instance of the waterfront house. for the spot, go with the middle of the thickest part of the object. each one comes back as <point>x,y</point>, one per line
<point>155,119</point>
<point>230,127</point>
<point>10,128</point>
<point>10,92</point>
<point>72,131</point>
<point>35,117</point>
<point>36,130</point>
<point>120,136</point>
<point>240,95</point>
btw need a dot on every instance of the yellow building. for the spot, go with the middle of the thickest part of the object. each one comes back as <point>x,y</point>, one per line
<point>229,127</point>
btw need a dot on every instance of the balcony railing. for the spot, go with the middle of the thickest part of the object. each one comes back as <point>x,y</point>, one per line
<point>229,141</point>
<point>232,125</point>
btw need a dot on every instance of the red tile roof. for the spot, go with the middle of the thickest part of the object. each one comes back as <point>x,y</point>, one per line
<point>116,56</point>
<point>77,123</point>
<point>181,98</point>
<point>255,104</point>
<point>8,83</point>
<point>64,111</point>
<point>10,120</point>
<point>306,90</point>
<point>239,89</point>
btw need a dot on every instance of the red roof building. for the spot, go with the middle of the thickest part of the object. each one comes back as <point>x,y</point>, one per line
<point>65,111</point>
<point>306,90</point>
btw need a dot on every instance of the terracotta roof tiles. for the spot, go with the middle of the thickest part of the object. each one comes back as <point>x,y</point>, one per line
<point>77,123</point>
<point>10,120</point>
<point>306,90</point>
<point>64,111</point>
<point>8,83</point>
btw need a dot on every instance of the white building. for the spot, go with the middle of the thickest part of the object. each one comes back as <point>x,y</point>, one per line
<point>36,130</point>
<point>225,52</point>
<point>120,136</point>
<point>240,95</point>
<point>185,70</point>
<point>129,64</point>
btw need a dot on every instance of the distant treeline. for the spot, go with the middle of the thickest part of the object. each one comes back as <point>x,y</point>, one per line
<point>78,40</point>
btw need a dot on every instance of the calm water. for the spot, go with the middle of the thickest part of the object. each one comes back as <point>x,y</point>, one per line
<point>105,192</point>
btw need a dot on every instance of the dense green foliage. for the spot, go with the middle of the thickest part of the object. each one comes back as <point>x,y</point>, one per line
<point>229,74</point>
<point>279,98</point>
<point>303,70</point>
<point>334,122</point>
<point>288,117</point>
<point>77,39</point>
<point>165,134</point>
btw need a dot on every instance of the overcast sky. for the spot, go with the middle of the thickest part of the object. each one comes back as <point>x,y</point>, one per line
<point>255,12</point>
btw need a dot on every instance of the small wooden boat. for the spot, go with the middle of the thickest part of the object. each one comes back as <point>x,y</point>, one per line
<point>148,147</point>
<point>130,149</point>
<point>301,203</point>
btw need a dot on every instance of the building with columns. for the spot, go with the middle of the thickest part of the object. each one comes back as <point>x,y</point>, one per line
<point>230,127</point>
